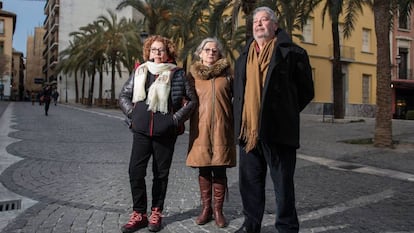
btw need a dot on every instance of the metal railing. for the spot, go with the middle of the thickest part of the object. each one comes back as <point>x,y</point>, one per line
<point>347,52</point>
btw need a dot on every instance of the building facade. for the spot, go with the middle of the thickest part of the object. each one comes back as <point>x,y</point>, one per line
<point>402,61</point>
<point>7,28</point>
<point>17,77</point>
<point>358,58</point>
<point>63,18</point>
<point>35,62</point>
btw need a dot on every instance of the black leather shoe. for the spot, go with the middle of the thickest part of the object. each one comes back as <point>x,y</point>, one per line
<point>245,229</point>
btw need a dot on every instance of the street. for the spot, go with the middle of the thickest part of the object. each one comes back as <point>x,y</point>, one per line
<point>70,172</point>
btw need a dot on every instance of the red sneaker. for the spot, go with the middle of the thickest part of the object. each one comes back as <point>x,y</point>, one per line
<point>155,220</point>
<point>136,222</point>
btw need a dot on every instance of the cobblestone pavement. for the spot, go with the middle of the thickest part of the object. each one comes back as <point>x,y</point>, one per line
<point>70,172</point>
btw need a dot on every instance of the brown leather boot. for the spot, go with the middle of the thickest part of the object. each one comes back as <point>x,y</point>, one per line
<point>205,193</point>
<point>219,186</point>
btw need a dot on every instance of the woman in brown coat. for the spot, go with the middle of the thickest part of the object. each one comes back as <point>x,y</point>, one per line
<point>211,147</point>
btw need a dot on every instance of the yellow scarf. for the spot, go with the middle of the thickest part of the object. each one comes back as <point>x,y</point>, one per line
<point>256,70</point>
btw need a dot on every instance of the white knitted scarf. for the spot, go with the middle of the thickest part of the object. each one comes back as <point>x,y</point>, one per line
<point>159,90</point>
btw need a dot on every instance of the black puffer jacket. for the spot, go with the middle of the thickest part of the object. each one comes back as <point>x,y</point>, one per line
<point>182,102</point>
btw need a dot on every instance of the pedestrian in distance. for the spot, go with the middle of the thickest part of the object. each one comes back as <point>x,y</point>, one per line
<point>211,145</point>
<point>33,97</point>
<point>39,97</point>
<point>152,98</point>
<point>55,96</point>
<point>46,97</point>
<point>272,85</point>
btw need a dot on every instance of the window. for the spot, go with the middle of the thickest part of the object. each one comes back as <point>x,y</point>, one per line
<point>403,69</point>
<point>1,47</point>
<point>366,86</point>
<point>403,22</point>
<point>308,31</point>
<point>1,26</point>
<point>366,40</point>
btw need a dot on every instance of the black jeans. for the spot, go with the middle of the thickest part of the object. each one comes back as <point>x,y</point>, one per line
<point>47,104</point>
<point>161,149</point>
<point>281,161</point>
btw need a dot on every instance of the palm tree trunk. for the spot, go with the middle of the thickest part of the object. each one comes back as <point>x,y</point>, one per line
<point>91,87</point>
<point>100,85</point>
<point>337,79</point>
<point>383,124</point>
<point>248,7</point>
<point>83,85</point>
<point>76,88</point>
<point>113,81</point>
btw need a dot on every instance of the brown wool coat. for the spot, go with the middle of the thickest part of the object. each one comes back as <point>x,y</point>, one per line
<point>211,125</point>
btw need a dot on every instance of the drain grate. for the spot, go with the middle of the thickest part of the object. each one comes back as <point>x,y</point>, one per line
<point>10,205</point>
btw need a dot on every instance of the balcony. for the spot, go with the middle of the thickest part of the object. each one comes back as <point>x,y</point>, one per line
<point>45,51</point>
<point>56,6</point>
<point>44,68</point>
<point>54,27</point>
<point>53,46</point>
<point>347,53</point>
<point>46,35</point>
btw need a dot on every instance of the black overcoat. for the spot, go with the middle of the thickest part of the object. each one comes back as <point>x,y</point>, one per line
<point>287,90</point>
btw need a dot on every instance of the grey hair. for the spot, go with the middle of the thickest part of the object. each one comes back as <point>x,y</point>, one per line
<point>269,11</point>
<point>208,40</point>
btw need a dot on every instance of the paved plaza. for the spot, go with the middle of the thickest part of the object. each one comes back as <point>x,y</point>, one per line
<point>68,173</point>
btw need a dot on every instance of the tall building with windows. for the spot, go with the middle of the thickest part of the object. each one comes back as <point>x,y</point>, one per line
<point>17,80</point>
<point>34,61</point>
<point>7,28</point>
<point>64,17</point>
<point>402,61</point>
<point>358,59</point>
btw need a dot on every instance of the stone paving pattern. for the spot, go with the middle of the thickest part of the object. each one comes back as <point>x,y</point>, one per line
<point>74,168</point>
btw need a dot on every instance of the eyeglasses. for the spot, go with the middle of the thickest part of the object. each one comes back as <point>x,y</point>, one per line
<point>214,51</point>
<point>159,50</point>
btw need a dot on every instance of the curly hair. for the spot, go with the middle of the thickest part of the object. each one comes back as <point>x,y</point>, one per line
<point>169,46</point>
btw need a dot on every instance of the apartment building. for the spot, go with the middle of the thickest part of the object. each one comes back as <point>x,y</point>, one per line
<point>7,28</point>
<point>402,61</point>
<point>358,57</point>
<point>17,77</point>
<point>64,17</point>
<point>35,62</point>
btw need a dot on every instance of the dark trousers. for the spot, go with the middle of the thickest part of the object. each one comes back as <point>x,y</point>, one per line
<point>281,161</point>
<point>161,149</point>
<point>47,104</point>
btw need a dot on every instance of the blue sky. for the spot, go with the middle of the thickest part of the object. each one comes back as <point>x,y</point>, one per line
<point>30,14</point>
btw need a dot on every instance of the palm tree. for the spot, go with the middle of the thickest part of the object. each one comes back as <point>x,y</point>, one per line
<point>93,55</point>
<point>334,8</point>
<point>292,13</point>
<point>115,42</point>
<point>247,7</point>
<point>220,25</point>
<point>156,12</point>
<point>69,63</point>
<point>183,28</point>
<point>384,11</point>
<point>133,51</point>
